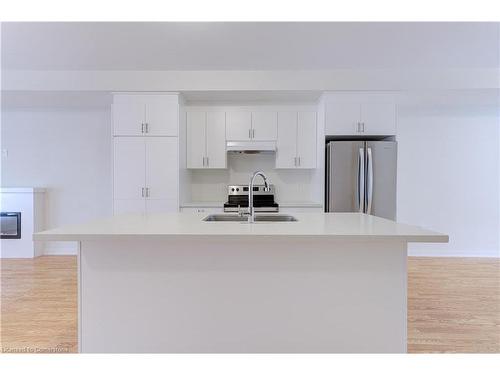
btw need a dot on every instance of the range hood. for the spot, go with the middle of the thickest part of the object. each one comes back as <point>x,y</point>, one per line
<point>251,147</point>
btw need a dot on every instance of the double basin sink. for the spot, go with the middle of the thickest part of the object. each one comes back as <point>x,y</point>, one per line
<point>258,218</point>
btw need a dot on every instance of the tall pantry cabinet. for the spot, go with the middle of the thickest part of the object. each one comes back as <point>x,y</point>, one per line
<point>145,153</point>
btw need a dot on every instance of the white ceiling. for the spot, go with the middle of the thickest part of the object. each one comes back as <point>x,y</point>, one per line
<point>248,46</point>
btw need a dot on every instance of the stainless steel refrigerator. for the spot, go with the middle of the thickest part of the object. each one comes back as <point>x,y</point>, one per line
<point>361,177</point>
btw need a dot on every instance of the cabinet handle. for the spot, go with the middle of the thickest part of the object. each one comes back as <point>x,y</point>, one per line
<point>147,192</point>
<point>299,160</point>
<point>142,128</point>
<point>253,133</point>
<point>295,161</point>
<point>142,192</point>
<point>208,162</point>
<point>147,127</point>
<point>250,133</point>
<point>203,161</point>
<point>363,127</point>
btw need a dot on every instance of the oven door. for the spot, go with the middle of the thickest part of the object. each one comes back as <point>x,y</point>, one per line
<point>10,225</point>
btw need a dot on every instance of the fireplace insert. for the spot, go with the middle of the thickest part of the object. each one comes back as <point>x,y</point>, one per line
<point>10,224</point>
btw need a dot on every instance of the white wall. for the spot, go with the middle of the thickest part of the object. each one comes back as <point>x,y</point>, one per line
<point>66,152</point>
<point>448,179</point>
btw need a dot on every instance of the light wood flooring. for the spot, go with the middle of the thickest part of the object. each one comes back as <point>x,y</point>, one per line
<point>453,305</point>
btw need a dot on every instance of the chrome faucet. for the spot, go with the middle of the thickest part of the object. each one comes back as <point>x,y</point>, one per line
<point>251,210</point>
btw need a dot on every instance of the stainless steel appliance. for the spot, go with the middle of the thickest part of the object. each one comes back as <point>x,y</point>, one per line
<point>263,199</point>
<point>361,177</point>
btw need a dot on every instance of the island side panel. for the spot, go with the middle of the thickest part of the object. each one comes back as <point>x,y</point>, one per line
<point>247,294</point>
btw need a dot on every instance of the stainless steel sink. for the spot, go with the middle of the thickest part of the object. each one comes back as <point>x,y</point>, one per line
<point>243,219</point>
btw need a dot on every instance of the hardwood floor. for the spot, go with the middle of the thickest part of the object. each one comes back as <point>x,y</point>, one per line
<point>453,305</point>
<point>38,304</point>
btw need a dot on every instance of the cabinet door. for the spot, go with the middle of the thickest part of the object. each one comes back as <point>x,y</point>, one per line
<point>128,168</point>
<point>162,168</point>
<point>238,126</point>
<point>162,115</point>
<point>286,145</point>
<point>379,118</point>
<point>128,114</point>
<point>264,126</point>
<point>306,140</point>
<point>196,139</point>
<point>216,140</point>
<point>342,118</point>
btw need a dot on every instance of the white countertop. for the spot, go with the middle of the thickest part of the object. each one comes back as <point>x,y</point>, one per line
<point>345,226</point>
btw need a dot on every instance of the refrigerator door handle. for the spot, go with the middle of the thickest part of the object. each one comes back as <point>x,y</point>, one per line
<point>361,180</point>
<point>369,181</point>
<point>328,163</point>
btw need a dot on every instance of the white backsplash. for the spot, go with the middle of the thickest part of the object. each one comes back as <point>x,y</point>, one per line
<point>291,184</point>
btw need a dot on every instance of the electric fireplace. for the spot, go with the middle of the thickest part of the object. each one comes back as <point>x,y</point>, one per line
<point>10,225</point>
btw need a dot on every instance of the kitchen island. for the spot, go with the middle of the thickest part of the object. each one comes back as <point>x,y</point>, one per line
<point>174,283</point>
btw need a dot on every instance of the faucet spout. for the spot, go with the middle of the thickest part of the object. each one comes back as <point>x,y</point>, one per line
<point>251,210</point>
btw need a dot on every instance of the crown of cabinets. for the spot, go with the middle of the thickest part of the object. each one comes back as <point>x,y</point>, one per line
<point>360,114</point>
<point>145,115</point>
<point>206,139</point>
<point>145,153</point>
<point>296,144</point>
<point>293,131</point>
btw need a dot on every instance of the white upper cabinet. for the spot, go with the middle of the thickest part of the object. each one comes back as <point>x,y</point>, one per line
<point>264,126</point>
<point>296,143</point>
<point>216,140</point>
<point>342,118</point>
<point>239,126</point>
<point>306,140</point>
<point>206,140</point>
<point>286,145</point>
<point>196,124</point>
<point>145,114</point>
<point>360,114</point>
<point>378,118</point>
<point>129,113</point>
<point>251,126</point>
<point>162,115</point>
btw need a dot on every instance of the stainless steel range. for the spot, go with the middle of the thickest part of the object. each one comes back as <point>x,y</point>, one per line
<point>263,199</point>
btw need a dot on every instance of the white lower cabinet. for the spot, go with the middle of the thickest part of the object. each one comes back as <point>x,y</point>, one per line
<point>145,174</point>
